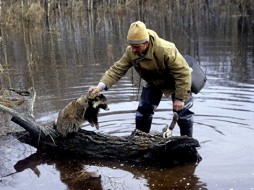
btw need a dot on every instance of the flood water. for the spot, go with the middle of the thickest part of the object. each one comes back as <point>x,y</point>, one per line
<point>63,62</point>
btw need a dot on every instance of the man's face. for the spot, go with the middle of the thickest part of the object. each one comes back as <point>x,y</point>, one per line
<point>139,48</point>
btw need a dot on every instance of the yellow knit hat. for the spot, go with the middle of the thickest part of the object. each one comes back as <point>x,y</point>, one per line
<point>137,33</point>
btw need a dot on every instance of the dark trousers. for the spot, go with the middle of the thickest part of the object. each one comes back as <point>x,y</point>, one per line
<point>149,101</point>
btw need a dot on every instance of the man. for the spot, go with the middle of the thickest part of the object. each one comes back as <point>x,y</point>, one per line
<point>165,71</point>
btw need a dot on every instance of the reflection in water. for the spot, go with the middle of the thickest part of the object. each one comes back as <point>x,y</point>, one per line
<point>61,63</point>
<point>77,174</point>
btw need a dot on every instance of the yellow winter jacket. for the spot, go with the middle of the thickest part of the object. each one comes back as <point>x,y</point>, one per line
<point>162,66</point>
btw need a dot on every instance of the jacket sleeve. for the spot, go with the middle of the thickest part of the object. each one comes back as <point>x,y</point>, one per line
<point>116,71</point>
<point>181,72</point>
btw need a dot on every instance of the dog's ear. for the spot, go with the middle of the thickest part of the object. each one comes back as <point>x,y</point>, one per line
<point>92,96</point>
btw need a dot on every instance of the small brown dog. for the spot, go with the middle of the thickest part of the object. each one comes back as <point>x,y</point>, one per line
<point>74,114</point>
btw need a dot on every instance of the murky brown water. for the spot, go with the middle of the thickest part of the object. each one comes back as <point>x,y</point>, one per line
<point>61,64</point>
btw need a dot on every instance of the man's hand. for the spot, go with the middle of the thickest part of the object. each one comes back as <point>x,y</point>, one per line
<point>178,105</point>
<point>95,89</point>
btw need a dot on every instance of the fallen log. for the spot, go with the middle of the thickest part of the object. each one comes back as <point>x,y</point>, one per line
<point>138,147</point>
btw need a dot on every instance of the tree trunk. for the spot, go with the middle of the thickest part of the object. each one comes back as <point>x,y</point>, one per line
<point>138,147</point>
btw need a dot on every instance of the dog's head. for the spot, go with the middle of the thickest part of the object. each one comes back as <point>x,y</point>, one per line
<point>97,101</point>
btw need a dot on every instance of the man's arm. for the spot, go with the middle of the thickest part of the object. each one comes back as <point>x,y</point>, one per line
<point>113,74</point>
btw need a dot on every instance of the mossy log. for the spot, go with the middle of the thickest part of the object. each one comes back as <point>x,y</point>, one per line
<point>138,147</point>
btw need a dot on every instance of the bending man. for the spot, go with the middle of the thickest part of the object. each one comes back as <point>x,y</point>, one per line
<point>165,71</point>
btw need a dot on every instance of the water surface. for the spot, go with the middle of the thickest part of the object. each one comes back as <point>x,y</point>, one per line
<point>62,63</point>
